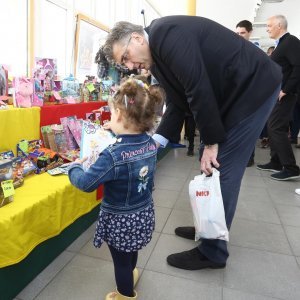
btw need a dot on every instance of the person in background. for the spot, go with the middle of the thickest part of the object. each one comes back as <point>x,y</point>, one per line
<point>230,87</point>
<point>297,117</point>
<point>286,54</point>
<point>244,29</point>
<point>264,143</point>
<point>190,129</point>
<point>126,168</point>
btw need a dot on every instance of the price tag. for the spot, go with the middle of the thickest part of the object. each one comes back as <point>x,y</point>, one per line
<point>90,87</point>
<point>8,188</point>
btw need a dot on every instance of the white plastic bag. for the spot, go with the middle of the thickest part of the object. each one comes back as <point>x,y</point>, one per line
<point>207,205</point>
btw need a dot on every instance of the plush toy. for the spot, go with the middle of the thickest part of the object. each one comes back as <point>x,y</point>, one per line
<point>24,91</point>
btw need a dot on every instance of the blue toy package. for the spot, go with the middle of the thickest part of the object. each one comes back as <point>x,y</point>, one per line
<point>70,87</point>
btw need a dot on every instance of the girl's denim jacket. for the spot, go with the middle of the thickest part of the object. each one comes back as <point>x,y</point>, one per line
<point>126,169</point>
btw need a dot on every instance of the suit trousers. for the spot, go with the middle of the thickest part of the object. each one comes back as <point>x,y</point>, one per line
<point>190,128</point>
<point>278,128</point>
<point>233,157</point>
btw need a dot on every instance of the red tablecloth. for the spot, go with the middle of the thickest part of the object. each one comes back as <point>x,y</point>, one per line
<point>51,115</point>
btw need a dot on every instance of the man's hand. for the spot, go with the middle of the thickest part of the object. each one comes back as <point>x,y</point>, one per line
<point>281,95</point>
<point>209,158</point>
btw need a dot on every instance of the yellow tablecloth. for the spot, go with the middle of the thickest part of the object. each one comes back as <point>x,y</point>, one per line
<point>17,124</point>
<point>42,208</point>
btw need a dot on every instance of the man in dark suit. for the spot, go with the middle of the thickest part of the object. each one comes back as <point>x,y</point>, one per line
<point>228,84</point>
<point>244,29</point>
<point>287,55</point>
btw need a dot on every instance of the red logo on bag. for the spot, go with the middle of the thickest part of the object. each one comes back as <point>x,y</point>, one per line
<point>202,193</point>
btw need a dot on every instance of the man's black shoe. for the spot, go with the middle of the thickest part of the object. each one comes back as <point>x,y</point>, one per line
<point>187,232</point>
<point>250,163</point>
<point>271,167</point>
<point>190,152</point>
<point>285,175</point>
<point>192,260</point>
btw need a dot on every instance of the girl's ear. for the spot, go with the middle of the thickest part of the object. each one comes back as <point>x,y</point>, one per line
<point>118,114</point>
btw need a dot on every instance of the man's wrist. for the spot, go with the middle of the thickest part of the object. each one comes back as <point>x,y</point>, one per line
<point>210,146</point>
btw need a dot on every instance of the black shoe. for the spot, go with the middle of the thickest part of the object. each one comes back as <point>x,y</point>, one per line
<point>190,152</point>
<point>250,163</point>
<point>285,175</point>
<point>192,260</point>
<point>269,167</point>
<point>187,232</point>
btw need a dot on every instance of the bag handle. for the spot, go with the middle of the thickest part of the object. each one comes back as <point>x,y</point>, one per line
<point>215,173</point>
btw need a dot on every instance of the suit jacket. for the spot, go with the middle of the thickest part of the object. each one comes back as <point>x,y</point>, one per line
<point>287,55</point>
<point>208,68</point>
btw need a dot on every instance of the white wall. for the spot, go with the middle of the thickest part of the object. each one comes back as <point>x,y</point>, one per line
<point>289,8</point>
<point>169,7</point>
<point>227,12</point>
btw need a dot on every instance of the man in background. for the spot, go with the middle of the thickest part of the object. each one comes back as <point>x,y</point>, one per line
<point>244,29</point>
<point>286,54</point>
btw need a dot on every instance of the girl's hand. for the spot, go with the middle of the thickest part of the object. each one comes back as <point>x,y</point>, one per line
<point>100,110</point>
<point>209,158</point>
<point>107,126</point>
<point>80,161</point>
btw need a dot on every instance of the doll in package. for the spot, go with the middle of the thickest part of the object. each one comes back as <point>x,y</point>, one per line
<point>23,91</point>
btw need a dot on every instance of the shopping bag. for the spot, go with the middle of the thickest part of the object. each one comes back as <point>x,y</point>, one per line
<point>207,205</point>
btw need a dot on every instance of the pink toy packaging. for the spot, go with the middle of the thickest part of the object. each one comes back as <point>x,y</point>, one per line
<point>23,91</point>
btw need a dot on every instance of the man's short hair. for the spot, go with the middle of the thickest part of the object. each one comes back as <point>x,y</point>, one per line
<point>246,24</point>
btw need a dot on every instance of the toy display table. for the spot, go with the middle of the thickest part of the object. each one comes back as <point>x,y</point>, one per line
<point>17,124</point>
<point>47,213</point>
<point>51,114</point>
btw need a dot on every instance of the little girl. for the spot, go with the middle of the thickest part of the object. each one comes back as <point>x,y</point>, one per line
<point>126,168</point>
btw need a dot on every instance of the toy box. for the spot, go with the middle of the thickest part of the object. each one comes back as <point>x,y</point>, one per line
<point>23,91</point>
<point>6,174</point>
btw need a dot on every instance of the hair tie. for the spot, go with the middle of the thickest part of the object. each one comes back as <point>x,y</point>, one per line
<point>142,84</point>
<point>125,101</point>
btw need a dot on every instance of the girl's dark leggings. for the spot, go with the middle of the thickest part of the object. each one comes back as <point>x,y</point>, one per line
<point>124,263</point>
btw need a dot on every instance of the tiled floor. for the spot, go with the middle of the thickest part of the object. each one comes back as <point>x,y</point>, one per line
<point>264,246</point>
